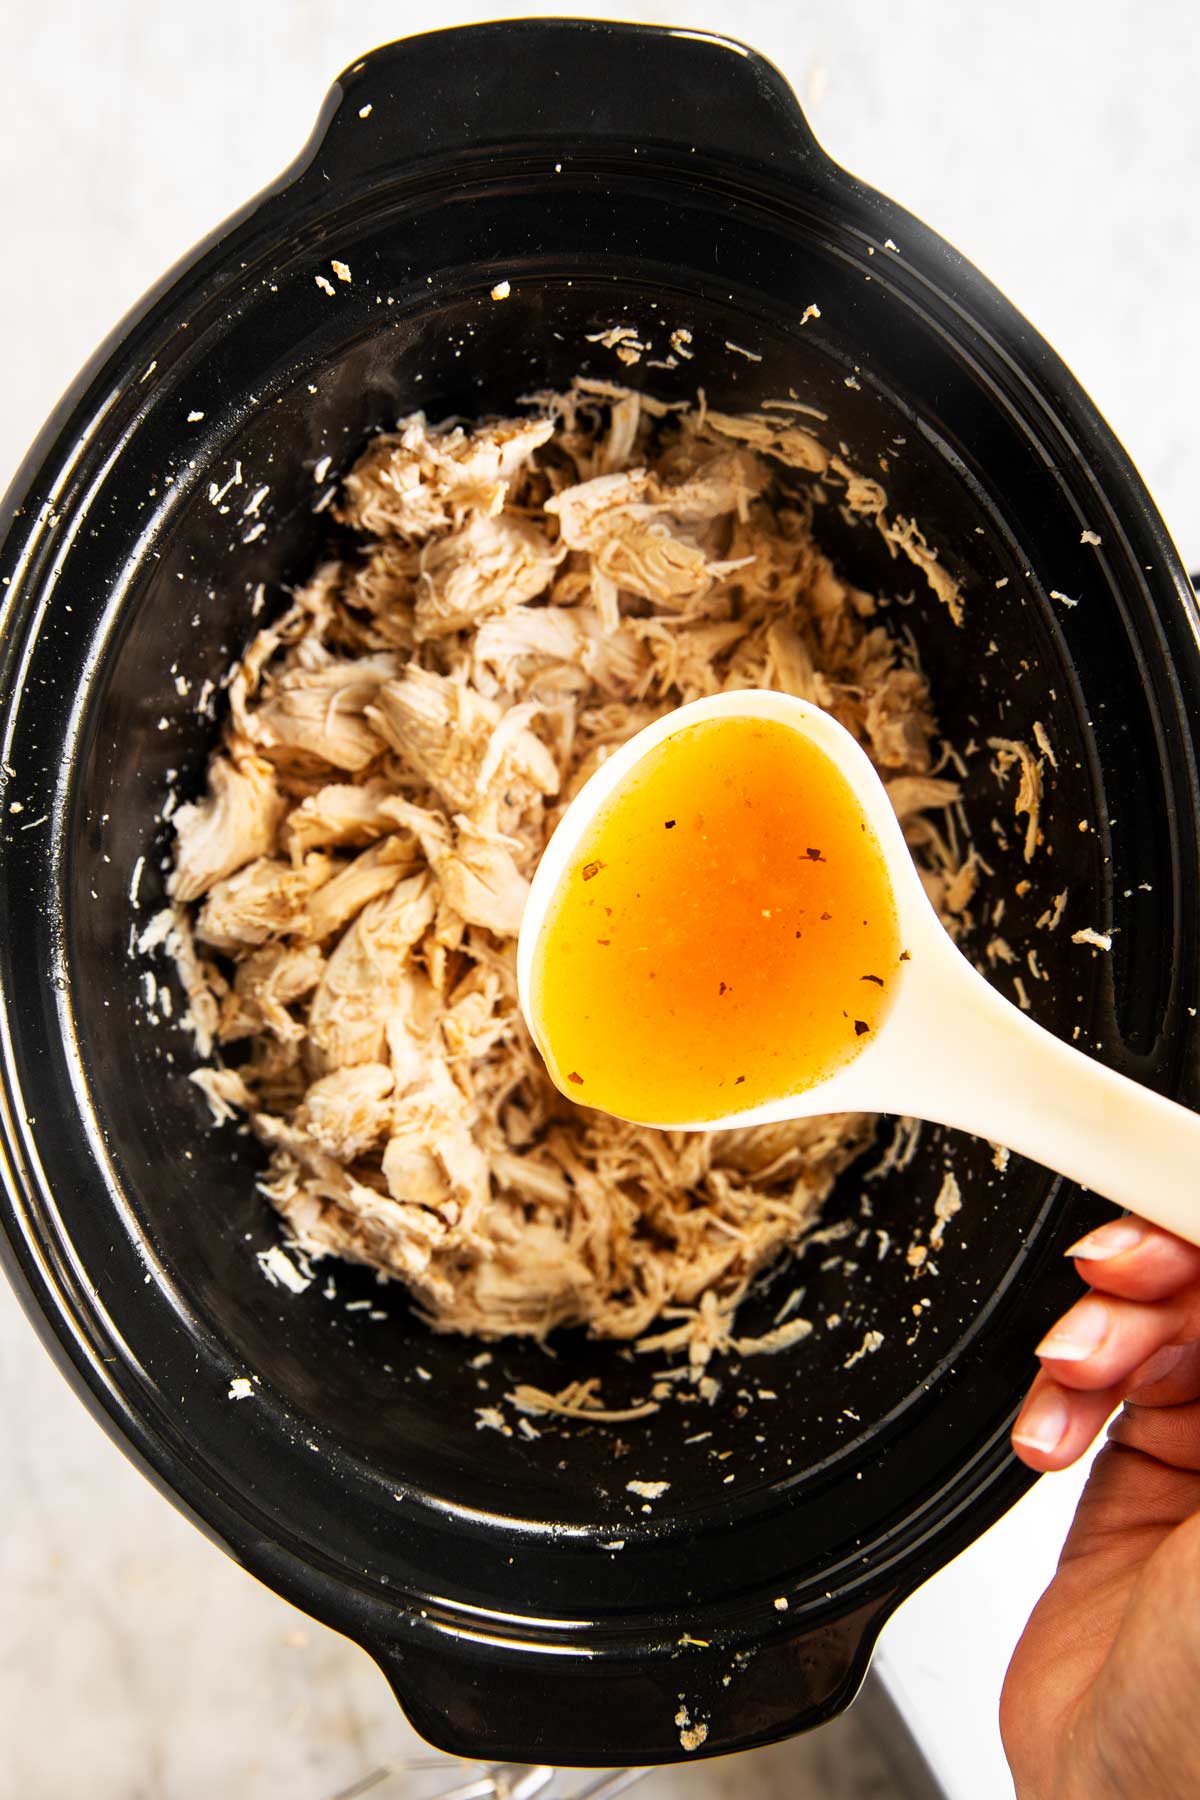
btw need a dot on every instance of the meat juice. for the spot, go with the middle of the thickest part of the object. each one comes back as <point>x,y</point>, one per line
<point>725,935</point>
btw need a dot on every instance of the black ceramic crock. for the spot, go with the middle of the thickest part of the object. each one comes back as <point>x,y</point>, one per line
<point>521,1600</point>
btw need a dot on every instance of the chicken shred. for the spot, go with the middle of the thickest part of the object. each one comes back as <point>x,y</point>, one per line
<point>521,597</point>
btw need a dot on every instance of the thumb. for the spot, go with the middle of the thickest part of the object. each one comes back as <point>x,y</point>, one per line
<point>1142,1715</point>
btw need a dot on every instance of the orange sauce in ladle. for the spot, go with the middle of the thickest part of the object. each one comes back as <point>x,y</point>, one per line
<point>725,934</point>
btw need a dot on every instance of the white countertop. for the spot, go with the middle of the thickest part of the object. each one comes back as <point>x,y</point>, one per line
<point>1056,147</point>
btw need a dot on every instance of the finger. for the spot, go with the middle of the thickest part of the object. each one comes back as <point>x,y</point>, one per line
<point>1171,1377</point>
<point>1056,1424</point>
<point>1102,1340</point>
<point>1138,1261</point>
<point>1168,1434</point>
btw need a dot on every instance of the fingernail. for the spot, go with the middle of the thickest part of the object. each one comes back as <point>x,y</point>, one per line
<point>1109,1240</point>
<point>1042,1424</point>
<point>1079,1335</point>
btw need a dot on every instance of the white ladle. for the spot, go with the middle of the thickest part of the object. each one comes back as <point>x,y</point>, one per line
<point>950,1049</point>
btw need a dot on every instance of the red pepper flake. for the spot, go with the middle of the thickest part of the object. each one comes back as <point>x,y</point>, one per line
<point>814,855</point>
<point>827,915</point>
<point>590,869</point>
<point>576,1078</point>
<point>877,979</point>
<point>668,824</point>
<point>860,1027</point>
<point>904,956</point>
<point>739,1081</point>
<point>799,934</point>
<point>607,941</point>
<point>723,989</point>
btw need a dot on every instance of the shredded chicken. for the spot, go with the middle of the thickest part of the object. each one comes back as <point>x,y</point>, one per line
<point>578,1400</point>
<point>522,596</point>
<point>1012,753</point>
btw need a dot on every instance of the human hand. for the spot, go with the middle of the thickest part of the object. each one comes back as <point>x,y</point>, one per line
<point>1102,1697</point>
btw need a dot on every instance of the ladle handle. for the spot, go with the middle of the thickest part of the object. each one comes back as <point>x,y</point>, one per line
<point>972,1060</point>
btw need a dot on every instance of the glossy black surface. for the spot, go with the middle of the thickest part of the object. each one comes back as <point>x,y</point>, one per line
<point>612,175</point>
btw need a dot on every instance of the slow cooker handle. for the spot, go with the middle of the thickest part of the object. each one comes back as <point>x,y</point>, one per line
<point>478,1698</point>
<point>556,82</point>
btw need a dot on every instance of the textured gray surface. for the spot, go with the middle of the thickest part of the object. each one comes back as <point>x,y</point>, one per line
<point>1053,146</point>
